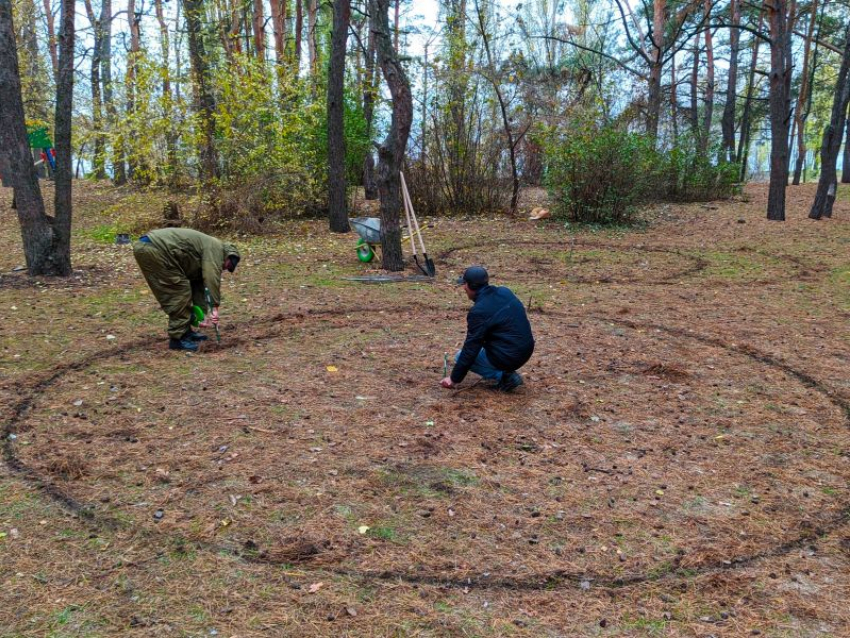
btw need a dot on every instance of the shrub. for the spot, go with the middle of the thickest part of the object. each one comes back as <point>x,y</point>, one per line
<point>687,175</point>
<point>598,174</point>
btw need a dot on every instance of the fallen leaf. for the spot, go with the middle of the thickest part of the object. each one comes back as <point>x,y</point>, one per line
<point>315,587</point>
<point>333,369</point>
<point>363,529</point>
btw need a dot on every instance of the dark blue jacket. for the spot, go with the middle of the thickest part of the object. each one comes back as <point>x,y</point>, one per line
<point>497,322</point>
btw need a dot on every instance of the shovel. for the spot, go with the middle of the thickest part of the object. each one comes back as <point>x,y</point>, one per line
<point>210,308</point>
<point>429,268</point>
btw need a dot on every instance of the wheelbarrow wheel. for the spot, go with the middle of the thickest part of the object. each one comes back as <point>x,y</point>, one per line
<point>365,252</point>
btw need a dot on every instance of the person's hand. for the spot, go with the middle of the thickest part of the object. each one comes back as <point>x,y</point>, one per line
<point>447,382</point>
<point>214,316</point>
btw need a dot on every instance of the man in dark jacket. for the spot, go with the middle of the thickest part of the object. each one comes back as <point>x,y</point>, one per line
<point>498,335</point>
<point>180,265</point>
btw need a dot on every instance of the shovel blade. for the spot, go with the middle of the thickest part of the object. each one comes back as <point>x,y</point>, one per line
<point>430,269</point>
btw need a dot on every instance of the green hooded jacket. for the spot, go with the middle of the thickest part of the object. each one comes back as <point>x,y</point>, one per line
<point>198,256</point>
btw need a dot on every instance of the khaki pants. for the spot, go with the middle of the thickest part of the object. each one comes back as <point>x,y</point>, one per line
<point>174,292</point>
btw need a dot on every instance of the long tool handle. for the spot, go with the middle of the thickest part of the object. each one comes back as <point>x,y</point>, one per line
<point>407,209</point>
<point>210,308</point>
<point>406,195</point>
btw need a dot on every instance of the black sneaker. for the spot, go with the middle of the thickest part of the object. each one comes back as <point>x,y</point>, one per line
<point>195,336</point>
<point>182,344</point>
<point>510,381</point>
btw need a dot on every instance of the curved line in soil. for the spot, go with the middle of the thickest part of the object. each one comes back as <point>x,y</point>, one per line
<point>698,263</point>
<point>483,579</point>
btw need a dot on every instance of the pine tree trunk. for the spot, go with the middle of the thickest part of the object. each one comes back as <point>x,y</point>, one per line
<point>258,21</point>
<point>165,49</point>
<point>845,163</point>
<point>728,121</point>
<point>130,77</point>
<point>62,131</point>
<point>37,233</point>
<point>780,106</point>
<point>391,151</point>
<point>99,161</point>
<point>278,9</point>
<point>312,19</point>
<point>299,31</point>
<point>828,182</point>
<point>207,152</point>
<point>653,109</point>
<point>370,89</point>
<point>744,142</point>
<point>708,112</point>
<point>337,199</point>
<point>802,97</point>
<point>51,37</point>
<point>694,111</point>
<point>119,174</point>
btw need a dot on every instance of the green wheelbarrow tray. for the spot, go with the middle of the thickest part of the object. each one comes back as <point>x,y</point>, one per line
<point>197,315</point>
<point>369,229</point>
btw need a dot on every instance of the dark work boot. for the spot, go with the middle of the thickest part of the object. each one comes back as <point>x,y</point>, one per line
<point>510,381</point>
<point>183,343</point>
<point>191,335</point>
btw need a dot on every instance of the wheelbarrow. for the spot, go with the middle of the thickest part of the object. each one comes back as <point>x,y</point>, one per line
<point>369,229</point>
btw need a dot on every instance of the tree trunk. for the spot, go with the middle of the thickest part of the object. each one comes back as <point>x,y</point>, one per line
<point>51,37</point>
<point>780,106</point>
<point>802,98</point>
<point>165,48</point>
<point>312,19</point>
<point>370,89</point>
<point>653,110</point>
<point>278,9</point>
<point>694,112</point>
<point>258,21</point>
<point>708,112</point>
<point>503,109</point>
<point>728,121</point>
<point>337,200</point>
<point>37,233</point>
<point>828,182</point>
<point>207,152</point>
<point>845,164</point>
<point>674,101</point>
<point>299,31</point>
<point>744,142</point>
<point>391,151</point>
<point>99,161</point>
<point>62,132</point>
<point>130,78</point>
<point>119,174</point>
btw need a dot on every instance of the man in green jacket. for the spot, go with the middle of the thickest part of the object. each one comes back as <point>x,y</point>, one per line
<point>179,264</point>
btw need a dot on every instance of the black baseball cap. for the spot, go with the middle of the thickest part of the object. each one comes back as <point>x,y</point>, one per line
<point>475,276</point>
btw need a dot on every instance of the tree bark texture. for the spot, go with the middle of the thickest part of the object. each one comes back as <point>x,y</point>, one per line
<point>370,89</point>
<point>832,138</point>
<point>312,48</point>
<point>727,123</point>
<point>258,22</point>
<point>708,111</point>
<point>391,151</point>
<point>802,98</point>
<point>653,109</point>
<point>130,77</point>
<point>337,200</point>
<point>206,102</point>
<point>37,232</point>
<point>278,10</point>
<point>694,111</point>
<point>99,161</point>
<point>744,141</point>
<point>299,31</point>
<point>63,206</point>
<point>780,105</point>
<point>845,164</point>
<point>51,37</point>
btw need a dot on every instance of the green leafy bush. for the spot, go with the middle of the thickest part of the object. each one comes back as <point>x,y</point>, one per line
<point>687,175</point>
<point>598,174</point>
